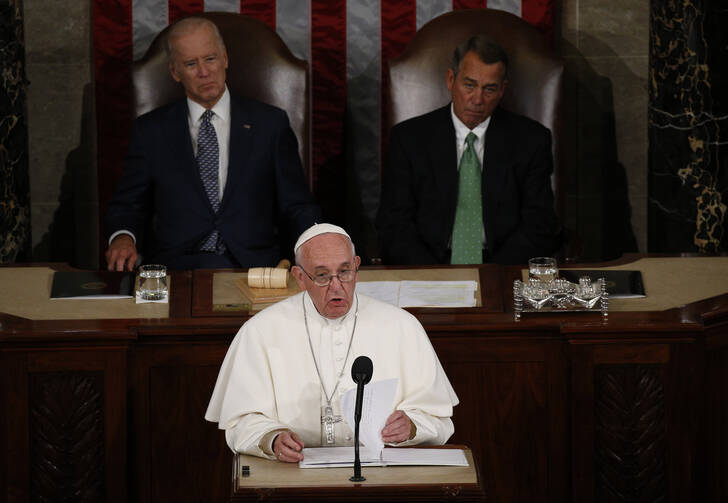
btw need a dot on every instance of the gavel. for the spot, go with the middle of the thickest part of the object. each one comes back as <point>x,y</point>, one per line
<point>269,277</point>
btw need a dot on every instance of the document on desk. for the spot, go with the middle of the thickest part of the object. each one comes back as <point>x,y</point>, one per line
<point>437,293</point>
<point>386,291</point>
<point>421,293</point>
<point>339,457</point>
<point>92,285</point>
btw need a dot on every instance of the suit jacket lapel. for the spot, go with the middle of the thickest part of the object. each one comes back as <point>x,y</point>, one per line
<point>443,153</point>
<point>240,141</point>
<point>184,157</point>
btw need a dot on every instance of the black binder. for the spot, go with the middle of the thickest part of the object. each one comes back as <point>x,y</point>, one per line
<point>92,284</point>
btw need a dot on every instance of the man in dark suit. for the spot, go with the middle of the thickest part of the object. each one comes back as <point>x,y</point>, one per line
<point>218,178</point>
<point>499,208</point>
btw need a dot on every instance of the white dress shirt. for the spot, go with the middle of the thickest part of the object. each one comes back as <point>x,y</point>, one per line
<point>462,131</point>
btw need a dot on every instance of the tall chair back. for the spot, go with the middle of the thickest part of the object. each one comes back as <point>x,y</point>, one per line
<point>260,66</point>
<point>417,77</point>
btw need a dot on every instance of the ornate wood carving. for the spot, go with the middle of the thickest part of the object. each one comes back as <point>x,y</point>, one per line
<point>67,437</point>
<point>630,443</point>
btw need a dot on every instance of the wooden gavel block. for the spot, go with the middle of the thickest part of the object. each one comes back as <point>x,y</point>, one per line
<point>269,277</point>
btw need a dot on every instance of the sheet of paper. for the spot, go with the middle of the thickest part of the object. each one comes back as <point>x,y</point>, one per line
<point>376,407</point>
<point>337,457</point>
<point>432,457</point>
<point>386,291</point>
<point>325,457</point>
<point>437,293</point>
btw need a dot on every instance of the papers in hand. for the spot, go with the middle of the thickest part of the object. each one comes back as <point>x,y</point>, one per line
<point>421,293</point>
<point>331,457</point>
<point>376,407</point>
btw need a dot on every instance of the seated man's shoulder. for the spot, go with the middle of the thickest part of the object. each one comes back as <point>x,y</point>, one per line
<point>421,122</point>
<point>258,108</point>
<point>170,110</point>
<point>521,122</point>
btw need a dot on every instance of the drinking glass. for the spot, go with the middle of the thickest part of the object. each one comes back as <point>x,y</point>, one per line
<point>152,282</point>
<point>543,269</point>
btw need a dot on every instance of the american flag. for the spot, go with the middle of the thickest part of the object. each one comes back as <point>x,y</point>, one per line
<point>346,42</point>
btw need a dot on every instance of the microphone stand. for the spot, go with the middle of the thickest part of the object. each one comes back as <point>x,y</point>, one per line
<point>357,477</point>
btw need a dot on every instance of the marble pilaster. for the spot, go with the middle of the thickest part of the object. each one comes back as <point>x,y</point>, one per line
<point>14,182</point>
<point>688,183</point>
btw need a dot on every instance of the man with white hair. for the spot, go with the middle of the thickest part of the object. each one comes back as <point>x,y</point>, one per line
<point>280,385</point>
<point>213,180</point>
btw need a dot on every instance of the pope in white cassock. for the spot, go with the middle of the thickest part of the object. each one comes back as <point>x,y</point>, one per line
<point>281,382</point>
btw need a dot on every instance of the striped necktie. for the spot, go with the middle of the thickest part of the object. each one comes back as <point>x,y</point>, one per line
<point>208,156</point>
<point>467,234</point>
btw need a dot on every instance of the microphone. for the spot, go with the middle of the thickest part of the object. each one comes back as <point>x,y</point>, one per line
<point>361,373</point>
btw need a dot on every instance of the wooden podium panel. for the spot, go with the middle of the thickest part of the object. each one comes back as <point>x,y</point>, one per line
<point>271,480</point>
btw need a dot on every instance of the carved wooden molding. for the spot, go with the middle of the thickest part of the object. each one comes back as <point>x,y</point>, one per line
<point>67,436</point>
<point>629,434</point>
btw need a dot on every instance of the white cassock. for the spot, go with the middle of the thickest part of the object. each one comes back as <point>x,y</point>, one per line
<point>268,380</point>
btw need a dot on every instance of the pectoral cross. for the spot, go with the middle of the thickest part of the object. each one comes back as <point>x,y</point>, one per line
<point>328,419</point>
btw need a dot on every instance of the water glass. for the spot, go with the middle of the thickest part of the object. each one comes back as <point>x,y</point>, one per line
<point>543,269</point>
<point>152,282</point>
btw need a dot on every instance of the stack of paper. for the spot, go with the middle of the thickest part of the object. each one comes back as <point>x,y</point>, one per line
<point>328,457</point>
<point>421,293</point>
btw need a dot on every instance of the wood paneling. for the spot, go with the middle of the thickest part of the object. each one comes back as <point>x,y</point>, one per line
<point>564,407</point>
<point>171,385</point>
<point>65,423</point>
<point>67,436</point>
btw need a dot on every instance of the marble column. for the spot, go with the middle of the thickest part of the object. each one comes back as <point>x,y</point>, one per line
<point>688,176</point>
<point>14,182</point>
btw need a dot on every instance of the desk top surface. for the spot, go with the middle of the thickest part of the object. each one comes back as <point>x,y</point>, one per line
<point>670,282</point>
<point>273,474</point>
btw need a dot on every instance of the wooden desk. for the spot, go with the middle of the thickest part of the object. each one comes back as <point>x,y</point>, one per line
<point>275,481</point>
<point>564,407</point>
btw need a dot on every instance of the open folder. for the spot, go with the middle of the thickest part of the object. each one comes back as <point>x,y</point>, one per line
<point>328,457</point>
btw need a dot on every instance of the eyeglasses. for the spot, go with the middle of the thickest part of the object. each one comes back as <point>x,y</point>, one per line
<point>324,278</point>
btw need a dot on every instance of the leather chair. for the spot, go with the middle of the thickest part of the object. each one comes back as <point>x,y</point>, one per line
<point>260,66</point>
<point>417,77</point>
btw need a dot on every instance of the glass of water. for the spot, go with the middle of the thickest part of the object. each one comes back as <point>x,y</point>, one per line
<point>543,269</point>
<point>152,282</point>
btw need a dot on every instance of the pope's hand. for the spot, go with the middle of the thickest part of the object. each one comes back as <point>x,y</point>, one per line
<point>287,447</point>
<point>121,254</point>
<point>398,428</point>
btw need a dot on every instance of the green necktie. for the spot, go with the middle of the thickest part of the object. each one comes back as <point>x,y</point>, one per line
<point>467,234</point>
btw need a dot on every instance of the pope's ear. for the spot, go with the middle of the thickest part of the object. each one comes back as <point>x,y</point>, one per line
<point>299,275</point>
